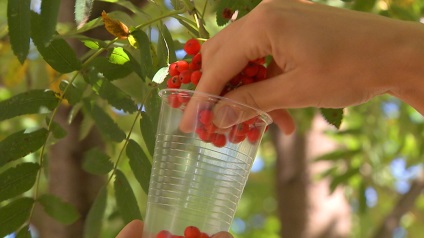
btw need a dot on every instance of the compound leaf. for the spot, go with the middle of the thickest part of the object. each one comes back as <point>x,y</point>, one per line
<point>125,198</point>
<point>30,102</point>
<point>140,164</point>
<point>333,116</point>
<point>14,215</point>
<point>97,162</point>
<point>18,20</point>
<point>61,211</point>
<point>17,180</point>
<point>94,221</point>
<point>105,123</point>
<point>20,144</point>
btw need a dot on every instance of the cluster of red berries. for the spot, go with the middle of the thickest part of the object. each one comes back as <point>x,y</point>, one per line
<point>189,232</point>
<point>184,72</point>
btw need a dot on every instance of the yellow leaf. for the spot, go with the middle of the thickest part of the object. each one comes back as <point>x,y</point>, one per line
<point>115,27</point>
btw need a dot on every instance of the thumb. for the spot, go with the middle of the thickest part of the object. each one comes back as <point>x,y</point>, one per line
<point>279,92</point>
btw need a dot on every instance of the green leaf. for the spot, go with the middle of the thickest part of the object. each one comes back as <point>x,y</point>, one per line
<point>93,223</point>
<point>114,95</point>
<point>338,155</point>
<point>177,4</point>
<point>169,44</point>
<point>105,123</point>
<point>110,70</point>
<point>73,94</point>
<point>161,75</point>
<point>148,131</point>
<point>364,5</point>
<point>135,66</point>
<point>48,17</point>
<point>125,198</point>
<point>57,130</point>
<point>30,102</point>
<point>17,180</point>
<point>97,162</point>
<point>342,179</point>
<point>119,56</point>
<point>153,106</point>
<point>93,43</point>
<point>61,211</point>
<point>20,144</point>
<point>333,116</point>
<point>24,233</point>
<point>143,44</point>
<point>362,206</point>
<point>18,20</point>
<point>193,30</point>
<point>140,164</point>
<point>58,54</point>
<point>242,6</point>
<point>82,11</point>
<point>14,215</point>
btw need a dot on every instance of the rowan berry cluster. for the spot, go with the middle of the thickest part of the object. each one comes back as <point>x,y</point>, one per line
<point>184,72</point>
<point>189,232</point>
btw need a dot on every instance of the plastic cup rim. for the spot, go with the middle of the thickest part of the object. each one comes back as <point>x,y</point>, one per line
<point>264,116</point>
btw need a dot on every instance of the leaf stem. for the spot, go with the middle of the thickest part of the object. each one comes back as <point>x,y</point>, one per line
<point>129,134</point>
<point>169,14</point>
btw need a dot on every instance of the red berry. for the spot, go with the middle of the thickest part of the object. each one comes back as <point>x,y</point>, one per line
<point>206,117</point>
<point>191,232</point>
<point>227,13</point>
<point>173,82</point>
<point>219,140</point>
<point>259,60</point>
<point>183,97</point>
<point>195,77</point>
<point>172,69</point>
<point>196,62</point>
<point>177,236</point>
<point>173,101</point>
<point>210,128</point>
<point>234,138</point>
<point>164,234</point>
<point>236,80</point>
<point>261,75</point>
<point>204,235</point>
<point>251,69</point>
<point>241,129</point>
<point>185,76</point>
<point>203,134</point>
<point>181,65</point>
<point>253,135</point>
<point>247,80</point>
<point>192,47</point>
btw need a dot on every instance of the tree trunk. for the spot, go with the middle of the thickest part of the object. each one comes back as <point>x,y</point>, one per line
<point>306,208</point>
<point>67,180</point>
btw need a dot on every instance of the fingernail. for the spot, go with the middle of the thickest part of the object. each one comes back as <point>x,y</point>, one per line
<point>226,116</point>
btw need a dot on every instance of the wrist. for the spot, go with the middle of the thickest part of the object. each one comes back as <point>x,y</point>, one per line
<point>408,81</point>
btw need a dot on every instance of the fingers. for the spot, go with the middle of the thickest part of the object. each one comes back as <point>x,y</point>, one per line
<point>283,120</point>
<point>225,54</point>
<point>132,229</point>
<point>222,234</point>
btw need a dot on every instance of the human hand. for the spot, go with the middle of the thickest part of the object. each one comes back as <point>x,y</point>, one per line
<point>323,57</point>
<point>134,229</point>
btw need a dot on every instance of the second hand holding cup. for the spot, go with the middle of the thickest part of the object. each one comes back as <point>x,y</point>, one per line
<point>199,173</point>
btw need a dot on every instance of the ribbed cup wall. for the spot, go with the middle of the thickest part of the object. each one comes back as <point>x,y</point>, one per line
<point>196,183</point>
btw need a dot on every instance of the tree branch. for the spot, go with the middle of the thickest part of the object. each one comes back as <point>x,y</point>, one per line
<point>404,204</point>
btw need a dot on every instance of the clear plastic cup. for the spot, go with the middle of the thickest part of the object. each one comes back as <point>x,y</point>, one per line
<point>197,179</point>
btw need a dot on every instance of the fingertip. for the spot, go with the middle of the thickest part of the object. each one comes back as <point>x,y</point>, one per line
<point>283,120</point>
<point>132,229</point>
